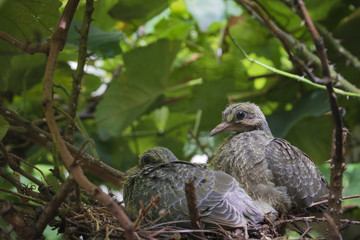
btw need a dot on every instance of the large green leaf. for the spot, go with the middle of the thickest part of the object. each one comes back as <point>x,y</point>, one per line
<point>314,104</point>
<point>319,9</point>
<point>26,72</point>
<point>144,80</point>
<point>105,44</point>
<point>28,20</point>
<point>252,37</point>
<point>127,10</point>
<point>313,135</point>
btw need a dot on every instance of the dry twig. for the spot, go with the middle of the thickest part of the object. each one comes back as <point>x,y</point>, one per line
<point>16,220</point>
<point>195,217</point>
<point>144,211</point>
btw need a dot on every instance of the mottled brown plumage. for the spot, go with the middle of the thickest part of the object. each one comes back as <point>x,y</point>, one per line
<point>271,168</point>
<point>219,196</point>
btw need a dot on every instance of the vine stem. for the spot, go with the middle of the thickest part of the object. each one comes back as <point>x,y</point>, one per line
<point>290,75</point>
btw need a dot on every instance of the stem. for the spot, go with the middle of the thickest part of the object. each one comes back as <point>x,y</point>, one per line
<point>57,43</point>
<point>337,159</point>
<point>79,72</point>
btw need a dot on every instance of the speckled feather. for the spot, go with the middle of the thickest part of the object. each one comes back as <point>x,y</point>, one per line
<point>295,170</point>
<point>219,197</point>
<point>271,169</point>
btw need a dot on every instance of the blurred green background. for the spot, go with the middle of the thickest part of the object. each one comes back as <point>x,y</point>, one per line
<point>160,72</point>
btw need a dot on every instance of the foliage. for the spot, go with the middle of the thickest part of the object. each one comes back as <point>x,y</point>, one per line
<point>169,68</point>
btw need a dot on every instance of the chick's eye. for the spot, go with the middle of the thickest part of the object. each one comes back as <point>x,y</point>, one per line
<point>240,115</point>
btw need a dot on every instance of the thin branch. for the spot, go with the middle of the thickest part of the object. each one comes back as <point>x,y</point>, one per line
<point>79,72</point>
<point>16,168</point>
<point>16,220</point>
<point>325,201</point>
<point>57,43</point>
<point>290,41</point>
<point>50,210</point>
<point>198,143</point>
<point>337,159</point>
<point>5,160</point>
<point>36,134</point>
<point>9,178</point>
<point>195,217</point>
<point>26,47</point>
<point>276,31</point>
<point>144,211</point>
<point>312,219</point>
<point>34,167</point>
<point>305,233</point>
<point>81,130</point>
<point>290,75</point>
<point>27,197</point>
<point>338,47</point>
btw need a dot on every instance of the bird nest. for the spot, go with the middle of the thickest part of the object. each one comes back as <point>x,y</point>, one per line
<point>97,222</point>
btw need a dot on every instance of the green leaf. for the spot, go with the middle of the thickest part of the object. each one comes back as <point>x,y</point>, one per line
<point>101,16</point>
<point>314,104</point>
<point>28,20</point>
<point>4,126</point>
<point>90,84</point>
<point>144,80</point>
<point>313,135</point>
<point>105,44</point>
<point>127,10</point>
<point>351,177</point>
<point>26,72</point>
<point>319,9</point>
<point>252,37</point>
<point>211,98</point>
<point>174,28</point>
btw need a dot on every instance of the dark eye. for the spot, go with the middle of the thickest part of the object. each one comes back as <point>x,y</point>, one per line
<point>240,115</point>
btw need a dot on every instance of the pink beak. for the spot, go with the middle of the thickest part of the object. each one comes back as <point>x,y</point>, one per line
<point>220,128</point>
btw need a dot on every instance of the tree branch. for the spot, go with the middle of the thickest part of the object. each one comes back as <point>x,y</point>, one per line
<point>289,41</point>
<point>57,43</point>
<point>144,211</point>
<point>338,47</point>
<point>38,135</point>
<point>290,75</point>
<point>16,220</point>
<point>50,210</point>
<point>337,159</point>
<point>79,72</point>
<point>44,189</point>
<point>29,48</point>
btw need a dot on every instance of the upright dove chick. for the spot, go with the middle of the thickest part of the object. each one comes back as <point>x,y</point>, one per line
<point>219,196</point>
<point>271,169</point>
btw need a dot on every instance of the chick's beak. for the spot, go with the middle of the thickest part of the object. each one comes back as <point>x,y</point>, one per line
<point>220,128</point>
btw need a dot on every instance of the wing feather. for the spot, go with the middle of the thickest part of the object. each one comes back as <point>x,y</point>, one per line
<point>296,171</point>
<point>219,197</point>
